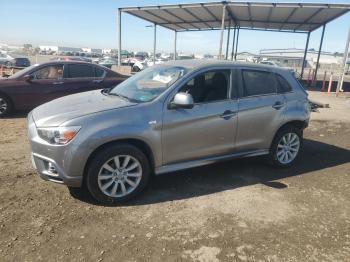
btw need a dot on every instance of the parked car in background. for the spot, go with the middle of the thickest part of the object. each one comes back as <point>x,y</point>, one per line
<point>141,65</point>
<point>5,59</point>
<point>169,117</point>
<point>39,84</point>
<point>71,58</point>
<point>8,60</point>
<point>271,63</point>
<point>108,62</point>
<point>276,64</point>
<point>20,62</point>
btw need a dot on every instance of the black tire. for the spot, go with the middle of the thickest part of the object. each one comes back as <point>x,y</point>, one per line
<point>6,106</point>
<point>105,155</point>
<point>273,158</point>
<point>136,69</point>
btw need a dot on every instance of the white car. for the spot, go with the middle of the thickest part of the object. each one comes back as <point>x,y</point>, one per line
<point>140,65</point>
<point>276,64</point>
<point>5,59</point>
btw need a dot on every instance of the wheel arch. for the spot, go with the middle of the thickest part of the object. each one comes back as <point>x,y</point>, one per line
<point>140,144</point>
<point>9,98</point>
<point>300,124</point>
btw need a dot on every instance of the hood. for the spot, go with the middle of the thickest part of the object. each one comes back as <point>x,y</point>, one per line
<point>66,108</point>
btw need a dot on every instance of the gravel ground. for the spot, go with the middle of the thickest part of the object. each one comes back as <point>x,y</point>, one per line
<point>234,211</point>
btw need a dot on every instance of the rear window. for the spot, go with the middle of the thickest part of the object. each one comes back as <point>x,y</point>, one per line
<point>77,71</point>
<point>22,59</point>
<point>259,83</point>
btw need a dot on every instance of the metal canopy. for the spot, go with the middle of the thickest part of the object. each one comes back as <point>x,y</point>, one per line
<point>284,17</point>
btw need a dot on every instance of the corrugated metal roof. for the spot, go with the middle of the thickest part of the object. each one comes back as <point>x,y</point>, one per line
<point>290,17</point>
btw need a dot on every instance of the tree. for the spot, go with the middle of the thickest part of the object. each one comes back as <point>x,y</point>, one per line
<point>27,47</point>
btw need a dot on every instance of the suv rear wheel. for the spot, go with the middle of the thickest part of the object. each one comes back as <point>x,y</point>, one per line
<point>286,147</point>
<point>118,173</point>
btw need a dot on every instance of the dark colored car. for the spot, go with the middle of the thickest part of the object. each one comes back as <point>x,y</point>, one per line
<point>20,62</point>
<point>39,84</point>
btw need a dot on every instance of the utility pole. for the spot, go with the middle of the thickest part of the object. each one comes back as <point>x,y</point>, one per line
<point>345,58</point>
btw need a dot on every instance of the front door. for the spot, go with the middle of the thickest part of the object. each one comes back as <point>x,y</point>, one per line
<point>42,87</point>
<point>207,129</point>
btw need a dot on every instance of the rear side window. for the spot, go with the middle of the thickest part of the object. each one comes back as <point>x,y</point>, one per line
<point>77,71</point>
<point>258,83</point>
<point>284,86</point>
<point>113,74</point>
<point>99,72</point>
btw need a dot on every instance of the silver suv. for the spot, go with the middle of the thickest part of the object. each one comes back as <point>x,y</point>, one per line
<point>169,117</point>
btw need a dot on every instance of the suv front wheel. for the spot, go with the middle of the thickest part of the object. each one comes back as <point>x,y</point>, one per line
<point>117,173</point>
<point>286,147</point>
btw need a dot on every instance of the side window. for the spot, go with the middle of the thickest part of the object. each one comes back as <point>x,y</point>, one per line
<point>209,86</point>
<point>77,71</point>
<point>49,72</point>
<point>99,72</point>
<point>284,86</point>
<point>258,83</point>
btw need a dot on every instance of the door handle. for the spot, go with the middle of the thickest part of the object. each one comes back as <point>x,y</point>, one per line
<point>228,114</point>
<point>278,105</point>
<point>97,81</point>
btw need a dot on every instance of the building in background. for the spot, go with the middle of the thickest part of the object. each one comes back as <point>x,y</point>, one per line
<point>293,57</point>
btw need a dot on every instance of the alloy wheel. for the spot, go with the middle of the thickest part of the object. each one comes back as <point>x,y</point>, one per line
<point>288,148</point>
<point>119,176</point>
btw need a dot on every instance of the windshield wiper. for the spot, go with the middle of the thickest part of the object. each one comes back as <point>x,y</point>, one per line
<point>119,95</point>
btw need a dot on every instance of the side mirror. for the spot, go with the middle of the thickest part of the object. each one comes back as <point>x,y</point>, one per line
<point>28,78</point>
<point>182,100</point>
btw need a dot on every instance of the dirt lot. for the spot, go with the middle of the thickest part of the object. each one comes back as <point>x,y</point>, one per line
<point>234,211</point>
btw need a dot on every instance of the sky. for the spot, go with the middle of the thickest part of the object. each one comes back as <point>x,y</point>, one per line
<point>93,23</point>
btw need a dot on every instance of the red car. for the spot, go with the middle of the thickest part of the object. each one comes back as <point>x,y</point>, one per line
<point>39,84</point>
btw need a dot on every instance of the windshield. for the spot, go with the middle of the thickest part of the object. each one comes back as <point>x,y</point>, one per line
<point>150,83</point>
<point>23,72</point>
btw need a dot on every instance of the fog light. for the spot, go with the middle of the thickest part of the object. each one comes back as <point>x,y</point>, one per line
<point>51,168</point>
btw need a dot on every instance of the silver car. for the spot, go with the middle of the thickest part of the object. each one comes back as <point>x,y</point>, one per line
<point>169,117</point>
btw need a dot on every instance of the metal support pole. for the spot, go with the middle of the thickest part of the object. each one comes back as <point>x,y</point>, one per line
<point>154,44</point>
<point>305,54</point>
<point>222,30</point>
<point>119,36</point>
<point>319,54</point>
<point>237,42</point>
<point>345,58</point>
<point>233,43</point>
<point>175,38</point>
<point>228,39</point>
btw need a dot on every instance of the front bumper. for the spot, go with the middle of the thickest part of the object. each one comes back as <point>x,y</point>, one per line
<point>49,170</point>
<point>53,163</point>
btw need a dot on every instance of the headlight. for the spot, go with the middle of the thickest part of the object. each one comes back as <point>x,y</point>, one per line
<point>58,135</point>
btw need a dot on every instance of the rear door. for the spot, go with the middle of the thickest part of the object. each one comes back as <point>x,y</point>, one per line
<point>260,109</point>
<point>80,77</point>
